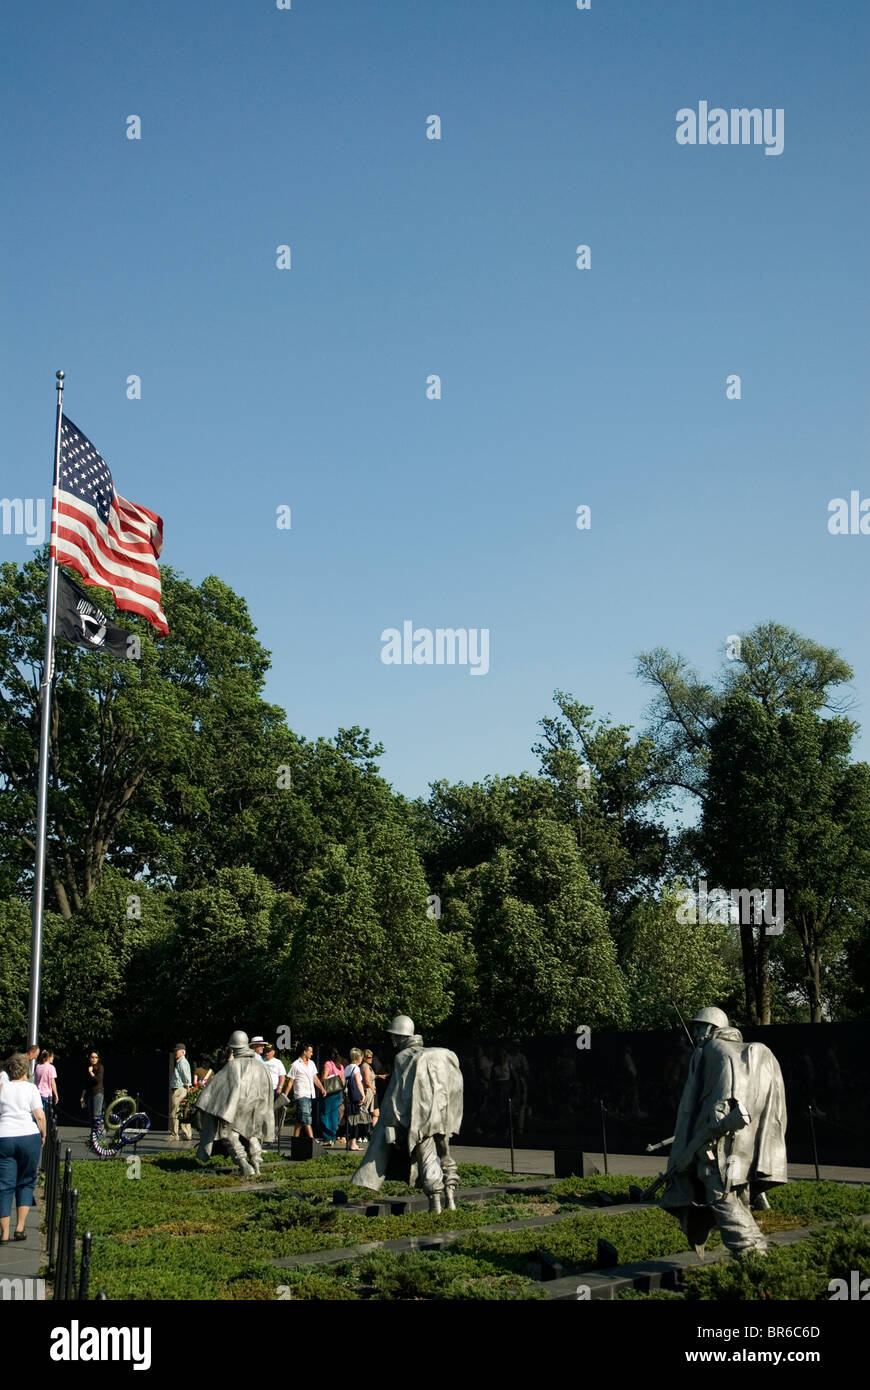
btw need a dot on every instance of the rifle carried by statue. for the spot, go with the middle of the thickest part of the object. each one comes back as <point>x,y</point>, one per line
<point>737,1119</point>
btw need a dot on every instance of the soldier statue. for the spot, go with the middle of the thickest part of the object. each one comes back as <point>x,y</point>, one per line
<point>728,1147</point>
<point>421,1109</point>
<point>237,1104</point>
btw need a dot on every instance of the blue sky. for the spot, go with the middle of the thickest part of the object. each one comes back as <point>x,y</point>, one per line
<point>410,257</point>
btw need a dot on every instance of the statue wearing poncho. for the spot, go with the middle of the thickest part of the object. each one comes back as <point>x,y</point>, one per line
<point>421,1109</point>
<point>237,1104</point>
<point>729,1142</point>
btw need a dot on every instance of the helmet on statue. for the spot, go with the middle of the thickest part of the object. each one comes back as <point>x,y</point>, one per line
<point>401,1027</point>
<point>714,1016</point>
<point>238,1039</point>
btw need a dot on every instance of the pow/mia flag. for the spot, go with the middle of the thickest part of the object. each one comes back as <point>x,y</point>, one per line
<point>79,620</point>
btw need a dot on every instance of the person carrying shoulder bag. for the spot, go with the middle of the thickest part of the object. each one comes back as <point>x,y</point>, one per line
<point>358,1117</point>
<point>333,1085</point>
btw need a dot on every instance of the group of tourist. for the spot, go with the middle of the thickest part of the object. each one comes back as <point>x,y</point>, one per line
<point>348,1090</point>
<point>342,1094</point>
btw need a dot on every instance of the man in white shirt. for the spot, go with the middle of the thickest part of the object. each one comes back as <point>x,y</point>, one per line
<point>276,1067</point>
<point>303,1074</point>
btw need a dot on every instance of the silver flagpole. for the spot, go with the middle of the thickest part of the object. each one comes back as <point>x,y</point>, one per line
<point>44,732</point>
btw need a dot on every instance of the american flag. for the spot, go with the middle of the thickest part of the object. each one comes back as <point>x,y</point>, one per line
<point>111,542</point>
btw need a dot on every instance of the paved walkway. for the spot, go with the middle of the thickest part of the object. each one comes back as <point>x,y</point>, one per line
<point>529,1161</point>
<point>644,1165</point>
<point>22,1259</point>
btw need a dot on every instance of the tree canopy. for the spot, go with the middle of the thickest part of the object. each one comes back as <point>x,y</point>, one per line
<point>208,867</point>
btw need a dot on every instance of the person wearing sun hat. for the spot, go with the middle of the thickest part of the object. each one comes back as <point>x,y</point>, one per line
<point>179,1086</point>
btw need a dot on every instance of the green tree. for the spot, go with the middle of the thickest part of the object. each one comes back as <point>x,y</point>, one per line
<point>414,970</point>
<point>142,923</point>
<point>851,979</point>
<point>359,946</point>
<point>776,666</point>
<point>671,962</point>
<point>84,959</point>
<point>331,973</point>
<point>786,812</point>
<point>461,825</point>
<point>90,963</point>
<point>764,762</point>
<point>607,787</point>
<point>532,924</point>
<point>324,792</point>
<point>14,974</point>
<point>155,763</point>
<point>220,959</point>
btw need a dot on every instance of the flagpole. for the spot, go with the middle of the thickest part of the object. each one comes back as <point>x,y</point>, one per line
<point>44,738</point>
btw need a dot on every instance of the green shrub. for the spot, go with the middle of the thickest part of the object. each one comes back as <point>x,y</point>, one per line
<point>614,1184</point>
<point>639,1235</point>
<point>309,1284</point>
<point>422,1275</point>
<point>177,1233</point>
<point>277,1213</point>
<point>802,1270</point>
<point>657,1295</point>
<point>481,1175</point>
<point>820,1201</point>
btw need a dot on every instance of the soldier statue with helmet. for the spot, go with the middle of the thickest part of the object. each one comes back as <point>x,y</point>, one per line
<point>728,1146</point>
<point>236,1105</point>
<point>421,1109</point>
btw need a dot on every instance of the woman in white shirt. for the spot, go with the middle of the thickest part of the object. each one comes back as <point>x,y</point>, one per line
<point>22,1135</point>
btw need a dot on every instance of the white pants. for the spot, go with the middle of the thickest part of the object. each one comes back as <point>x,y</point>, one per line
<point>177,1096</point>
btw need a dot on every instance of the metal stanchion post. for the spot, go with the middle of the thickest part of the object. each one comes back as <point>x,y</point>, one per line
<point>811,1112</point>
<point>511,1131</point>
<point>64,1201</point>
<point>70,1270</point>
<point>604,1133</point>
<point>85,1275</point>
<point>60,1269</point>
<point>52,1169</point>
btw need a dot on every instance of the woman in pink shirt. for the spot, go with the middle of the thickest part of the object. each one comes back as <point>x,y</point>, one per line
<point>45,1077</point>
<point>332,1077</point>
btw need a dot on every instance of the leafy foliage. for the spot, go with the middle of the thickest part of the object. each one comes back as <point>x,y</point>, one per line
<point>207,864</point>
<point>625,849</point>
<point>639,1235</point>
<point>532,922</point>
<point>765,753</point>
<point>799,1271</point>
<point>670,960</point>
<point>786,811</point>
<point>417,1276</point>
